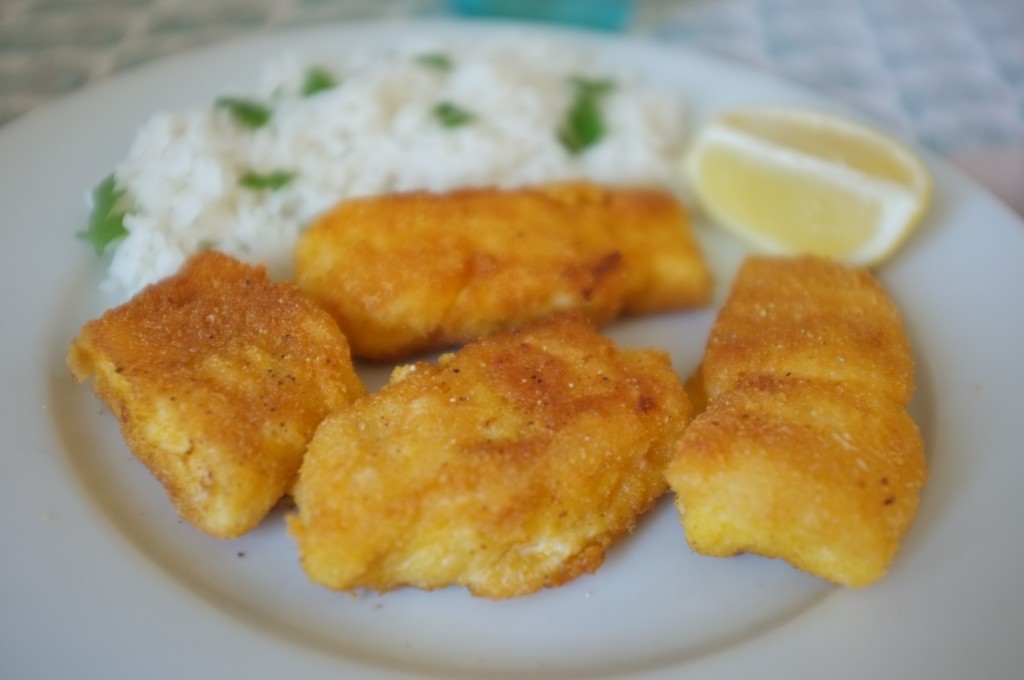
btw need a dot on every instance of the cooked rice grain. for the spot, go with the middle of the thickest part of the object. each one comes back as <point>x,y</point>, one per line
<point>375,132</point>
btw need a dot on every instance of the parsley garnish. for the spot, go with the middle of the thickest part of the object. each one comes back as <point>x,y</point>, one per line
<point>106,221</point>
<point>317,80</point>
<point>266,181</point>
<point>436,60</point>
<point>245,111</point>
<point>450,115</point>
<point>584,125</point>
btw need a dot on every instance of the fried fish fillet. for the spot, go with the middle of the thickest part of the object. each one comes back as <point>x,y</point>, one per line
<point>808,318</point>
<point>413,272</point>
<point>805,450</point>
<point>219,378</point>
<point>507,467</point>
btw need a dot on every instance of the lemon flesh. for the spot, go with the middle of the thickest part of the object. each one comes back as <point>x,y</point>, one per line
<point>797,182</point>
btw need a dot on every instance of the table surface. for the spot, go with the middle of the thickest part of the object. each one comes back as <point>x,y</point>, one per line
<point>945,74</point>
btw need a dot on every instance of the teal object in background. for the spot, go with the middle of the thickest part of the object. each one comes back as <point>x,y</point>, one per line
<point>608,15</point>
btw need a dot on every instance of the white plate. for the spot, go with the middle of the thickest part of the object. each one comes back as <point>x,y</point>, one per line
<point>99,579</point>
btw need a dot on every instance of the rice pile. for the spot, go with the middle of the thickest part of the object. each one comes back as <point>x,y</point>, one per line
<point>375,132</point>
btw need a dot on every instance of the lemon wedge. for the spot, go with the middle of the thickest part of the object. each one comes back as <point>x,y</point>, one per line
<point>797,181</point>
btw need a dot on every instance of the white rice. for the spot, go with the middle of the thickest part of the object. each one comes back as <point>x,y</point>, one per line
<point>375,133</point>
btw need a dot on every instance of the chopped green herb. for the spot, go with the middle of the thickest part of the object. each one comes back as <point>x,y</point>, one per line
<point>436,60</point>
<point>450,115</point>
<point>245,111</point>
<point>106,221</point>
<point>584,125</point>
<point>317,80</point>
<point>269,181</point>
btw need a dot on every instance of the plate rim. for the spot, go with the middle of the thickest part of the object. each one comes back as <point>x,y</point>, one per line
<point>40,118</point>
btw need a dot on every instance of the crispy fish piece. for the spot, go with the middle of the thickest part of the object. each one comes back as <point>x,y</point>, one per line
<point>805,450</point>
<point>219,378</point>
<point>808,318</point>
<point>413,272</point>
<point>508,467</point>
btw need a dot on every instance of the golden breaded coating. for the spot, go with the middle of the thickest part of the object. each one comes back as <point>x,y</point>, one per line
<point>508,467</point>
<point>412,272</point>
<point>809,318</point>
<point>219,378</point>
<point>805,450</point>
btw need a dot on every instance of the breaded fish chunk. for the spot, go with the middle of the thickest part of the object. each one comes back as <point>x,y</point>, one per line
<point>805,451</point>
<point>419,271</point>
<point>808,318</point>
<point>507,467</point>
<point>219,378</point>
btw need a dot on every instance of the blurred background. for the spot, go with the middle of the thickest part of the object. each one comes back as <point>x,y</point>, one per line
<point>946,74</point>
